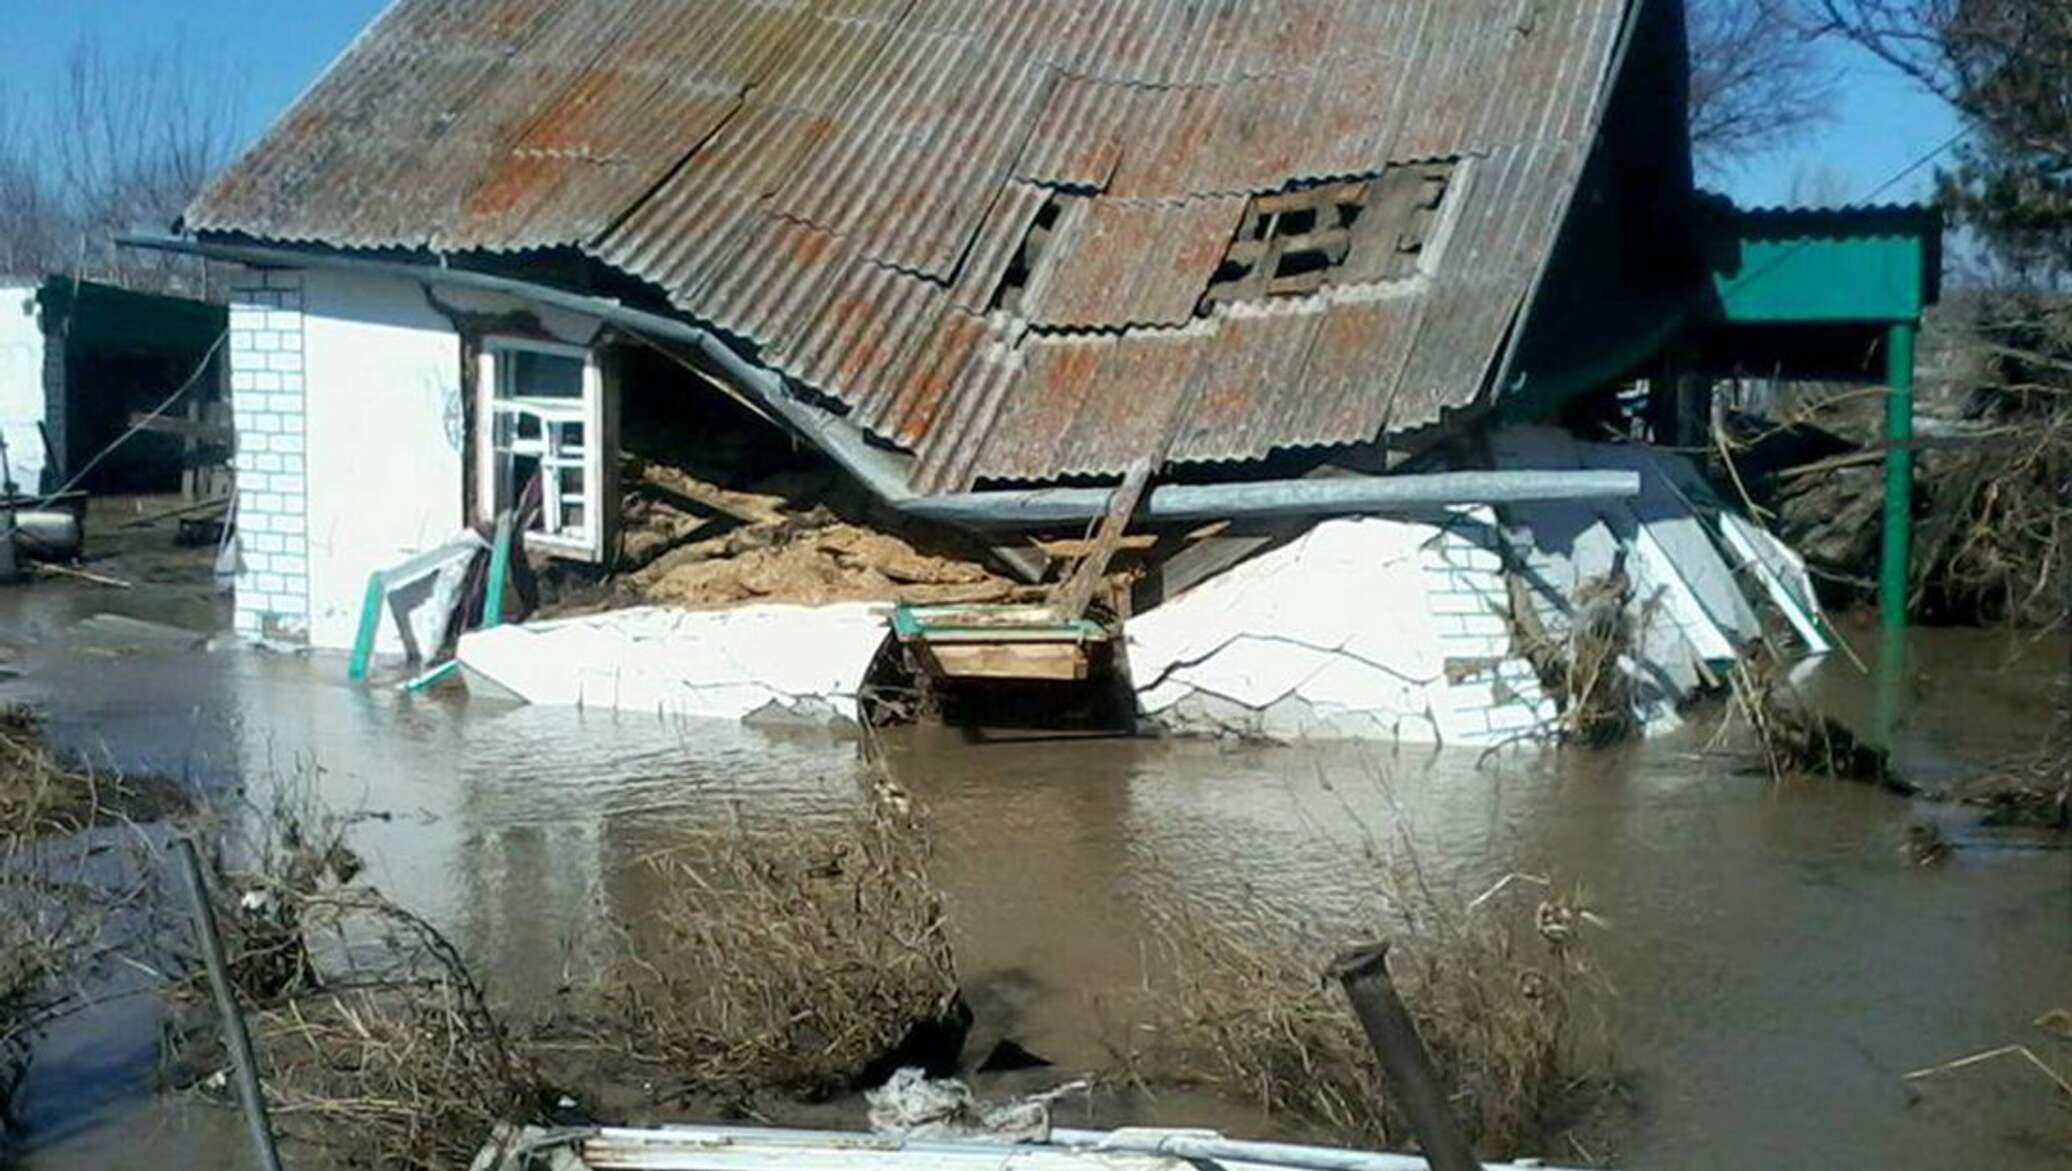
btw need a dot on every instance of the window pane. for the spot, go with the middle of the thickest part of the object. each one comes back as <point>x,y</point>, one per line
<point>532,374</point>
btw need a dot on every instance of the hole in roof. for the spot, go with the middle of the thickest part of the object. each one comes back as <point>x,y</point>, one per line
<point>1306,236</point>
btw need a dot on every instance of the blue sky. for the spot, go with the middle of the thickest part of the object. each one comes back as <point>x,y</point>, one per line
<point>272,49</point>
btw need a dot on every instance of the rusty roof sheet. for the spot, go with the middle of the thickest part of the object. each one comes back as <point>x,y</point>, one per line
<point>844,184</point>
<point>1121,262</point>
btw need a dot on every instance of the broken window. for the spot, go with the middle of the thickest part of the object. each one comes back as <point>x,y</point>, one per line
<point>540,407</point>
<point>1293,243</point>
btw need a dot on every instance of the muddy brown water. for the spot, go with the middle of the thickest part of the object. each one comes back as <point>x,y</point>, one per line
<point>1779,966</point>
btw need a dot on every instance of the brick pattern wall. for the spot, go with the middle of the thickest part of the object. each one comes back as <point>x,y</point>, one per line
<point>1492,695</point>
<point>267,398</point>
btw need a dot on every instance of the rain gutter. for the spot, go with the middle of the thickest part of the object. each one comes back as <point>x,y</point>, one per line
<point>884,472</point>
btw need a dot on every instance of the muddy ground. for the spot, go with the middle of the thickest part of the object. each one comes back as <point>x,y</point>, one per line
<point>1781,964</point>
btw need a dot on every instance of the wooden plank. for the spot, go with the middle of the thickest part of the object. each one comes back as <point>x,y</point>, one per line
<point>190,429</point>
<point>1059,550</point>
<point>1061,661</point>
<point>1068,602</point>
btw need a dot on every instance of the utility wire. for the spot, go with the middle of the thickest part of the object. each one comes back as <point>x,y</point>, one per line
<point>140,424</point>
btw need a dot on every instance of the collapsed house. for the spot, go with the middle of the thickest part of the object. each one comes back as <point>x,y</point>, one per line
<point>1280,288</point>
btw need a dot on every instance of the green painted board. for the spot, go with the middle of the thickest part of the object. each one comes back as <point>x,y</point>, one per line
<point>925,622</point>
<point>1799,267</point>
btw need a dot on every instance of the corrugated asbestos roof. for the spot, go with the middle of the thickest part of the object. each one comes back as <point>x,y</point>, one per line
<point>845,182</point>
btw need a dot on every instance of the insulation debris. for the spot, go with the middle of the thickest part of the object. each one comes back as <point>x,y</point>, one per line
<point>813,559</point>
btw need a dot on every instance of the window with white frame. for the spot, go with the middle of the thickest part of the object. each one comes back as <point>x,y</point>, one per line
<point>540,419</point>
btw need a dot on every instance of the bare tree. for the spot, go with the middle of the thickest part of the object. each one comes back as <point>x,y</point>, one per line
<point>29,224</point>
<point>1757,80</point>
<point>131,142</point>
<point>123,142</point>
<point>2004,65</point>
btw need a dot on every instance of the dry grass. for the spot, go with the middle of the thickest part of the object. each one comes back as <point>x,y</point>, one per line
<point>2030,790</point>
<point>51,932</point>
<point>377,1046</point>
<point>1996,543</point>
<point>408,1067</point>
<point>44,794</point>
<point>794,961</point>
<point>1588,671</point>
<point>54,914</point>
<point>1793,738</point>
<point>1501,987</point>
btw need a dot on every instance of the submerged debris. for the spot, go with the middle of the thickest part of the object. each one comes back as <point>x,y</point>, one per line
<point>1796,740</point>
<point>912,1105</point>
<point>1588,672</point>
<point>1500,989</point>
<point>805,961</point>
<point>2033,790</point>
<point>45,793</point>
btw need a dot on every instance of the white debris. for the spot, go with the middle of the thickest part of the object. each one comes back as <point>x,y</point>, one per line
<point>1361,628</point>
<point>1402,629</point>
<point>799,662</point>
<point>912,1105</point>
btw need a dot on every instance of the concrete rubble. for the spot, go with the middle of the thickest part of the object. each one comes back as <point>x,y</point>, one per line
<point>787,663</point>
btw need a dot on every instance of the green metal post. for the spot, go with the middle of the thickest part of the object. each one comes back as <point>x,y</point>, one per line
<point>1899,476</point>
<point>1898,524</point>
<point>370,626</point>
<point>499,571</point>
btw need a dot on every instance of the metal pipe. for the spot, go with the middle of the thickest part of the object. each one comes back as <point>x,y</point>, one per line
<point>841,440</point>
<point>1194,1146</point>
<point>1198,1147</point>
<point>1041,507</point>
<point>1897,537</point>
<point>1899,476</point>
<point>885,473</point>
<point>1365,974</point>
<point>234,1034</point>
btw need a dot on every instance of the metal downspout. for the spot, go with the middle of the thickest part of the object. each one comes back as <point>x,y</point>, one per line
<point>884,472</point>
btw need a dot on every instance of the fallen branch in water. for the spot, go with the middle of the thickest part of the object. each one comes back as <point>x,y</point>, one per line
<point>2023,1051</point>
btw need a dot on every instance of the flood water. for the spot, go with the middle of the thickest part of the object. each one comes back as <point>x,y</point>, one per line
<point>1779,966</point>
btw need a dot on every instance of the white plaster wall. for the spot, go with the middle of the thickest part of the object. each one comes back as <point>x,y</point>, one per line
<point>1363,628</point>
<point>21,383</point>
<point>382,427</point>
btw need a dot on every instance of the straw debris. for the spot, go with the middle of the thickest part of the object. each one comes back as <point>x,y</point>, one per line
<point>43,793</point>
<point>1501,987</point>
<point>1588,668</point>
<point>53,913</point>
<point>808,962</point>
<point>1794,739</point>
<point>408,1068</point>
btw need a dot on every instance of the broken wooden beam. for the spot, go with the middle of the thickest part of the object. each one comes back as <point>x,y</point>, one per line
<point>1070,600</point>
<point>195,429</point>
<point>1065,548</point>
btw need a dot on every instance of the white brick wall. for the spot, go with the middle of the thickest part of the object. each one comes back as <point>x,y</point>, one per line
<point>268,407</point>
<point>1497,696</point>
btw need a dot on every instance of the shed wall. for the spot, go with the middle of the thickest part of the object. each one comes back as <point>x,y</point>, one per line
<point>21,384</point>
